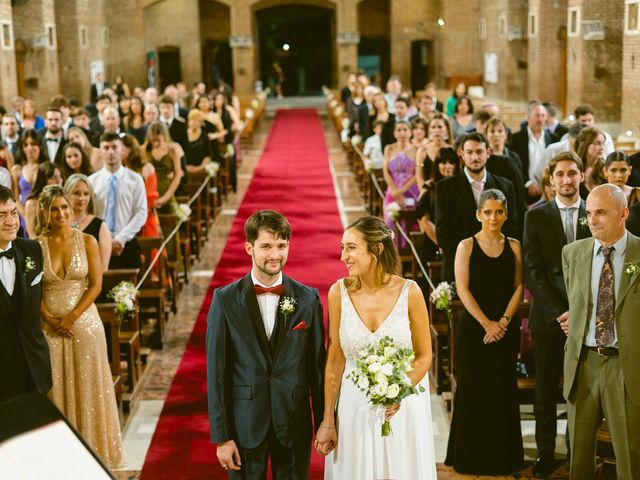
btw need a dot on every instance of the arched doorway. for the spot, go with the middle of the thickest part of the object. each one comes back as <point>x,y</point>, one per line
<point>300,39</point>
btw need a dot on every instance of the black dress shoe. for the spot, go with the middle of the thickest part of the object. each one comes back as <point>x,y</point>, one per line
<point>544,467</point>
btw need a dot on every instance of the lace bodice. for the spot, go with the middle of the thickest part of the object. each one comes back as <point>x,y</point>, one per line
<point>354,333</point>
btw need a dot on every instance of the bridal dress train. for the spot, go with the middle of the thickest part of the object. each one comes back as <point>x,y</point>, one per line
<point>361,452</point>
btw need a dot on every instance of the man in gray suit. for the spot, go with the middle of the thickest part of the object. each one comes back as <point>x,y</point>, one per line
<point>601,374</point>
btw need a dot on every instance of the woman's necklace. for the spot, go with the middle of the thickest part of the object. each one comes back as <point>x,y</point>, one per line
<point>78,221</point>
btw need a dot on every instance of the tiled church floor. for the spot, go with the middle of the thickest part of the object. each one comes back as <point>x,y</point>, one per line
<point>162,364</point>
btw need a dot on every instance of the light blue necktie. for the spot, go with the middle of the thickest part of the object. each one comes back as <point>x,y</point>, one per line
<point>111,204</point>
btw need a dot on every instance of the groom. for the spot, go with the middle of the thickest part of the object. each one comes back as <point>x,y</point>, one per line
<point>265,357</point>
<point>24,352</point>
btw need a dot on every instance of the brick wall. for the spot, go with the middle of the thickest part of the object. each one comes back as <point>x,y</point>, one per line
<point>460,49</point>
<point>631,84</point>
<point>8,74</point>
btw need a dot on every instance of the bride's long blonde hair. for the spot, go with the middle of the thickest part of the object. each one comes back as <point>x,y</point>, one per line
<point>45,200</point>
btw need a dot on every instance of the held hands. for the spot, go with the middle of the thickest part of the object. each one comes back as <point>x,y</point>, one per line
<point>563,320</point>
<point>326,439</point>
<point>494,332</point>
<point>229,456</point>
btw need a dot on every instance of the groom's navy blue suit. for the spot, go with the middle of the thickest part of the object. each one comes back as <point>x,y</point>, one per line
<point>259,388</point>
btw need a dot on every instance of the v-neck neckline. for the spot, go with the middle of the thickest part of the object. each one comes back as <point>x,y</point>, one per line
<point>395,305</point>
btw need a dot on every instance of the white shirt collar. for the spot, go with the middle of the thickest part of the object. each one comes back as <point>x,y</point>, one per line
<point>532,137</point>
<point>9,245</point>
<point>619,247</point>
<point>562,205</point>
<point>15,139</point>
<point>471,180</point>
<point>258,282</point>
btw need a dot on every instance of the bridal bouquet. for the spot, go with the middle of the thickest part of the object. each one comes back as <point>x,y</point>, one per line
<point>381,373</point>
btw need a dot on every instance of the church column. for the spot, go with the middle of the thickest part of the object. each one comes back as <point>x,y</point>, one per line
<point>242,41</point>
<point>347,40</point>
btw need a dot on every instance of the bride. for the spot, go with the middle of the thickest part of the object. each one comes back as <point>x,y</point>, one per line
<point>373,303</point>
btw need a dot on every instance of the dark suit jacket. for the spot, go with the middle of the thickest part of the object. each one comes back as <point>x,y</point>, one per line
<point>456,214</point>
<point>508,168</point>
<point>59,159</point>
<point>633,222</point>
<point>94,91</point>
<point>559,132</point>
<point>178,132</point>
<point>520,144</point>
<point>253,384</point>
<point>544,238</point>
<point>634,179</point>
<point>34,345</point>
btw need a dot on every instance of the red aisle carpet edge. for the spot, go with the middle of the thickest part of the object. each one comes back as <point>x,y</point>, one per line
<point>292,177</point>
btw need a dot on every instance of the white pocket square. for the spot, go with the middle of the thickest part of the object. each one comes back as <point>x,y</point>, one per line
<point>37,279</point>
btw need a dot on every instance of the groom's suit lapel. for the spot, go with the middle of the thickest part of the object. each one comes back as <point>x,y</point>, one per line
<point>20,286</point>
<point>251,302</point>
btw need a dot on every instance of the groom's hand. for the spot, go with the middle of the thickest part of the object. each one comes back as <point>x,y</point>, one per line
<point>326,440</point>
<point>228,455</point>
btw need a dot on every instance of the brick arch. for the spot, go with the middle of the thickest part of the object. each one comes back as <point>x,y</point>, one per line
<point>263,4</point>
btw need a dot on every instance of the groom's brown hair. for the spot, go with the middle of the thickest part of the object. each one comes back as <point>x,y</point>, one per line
<point>267,220</point>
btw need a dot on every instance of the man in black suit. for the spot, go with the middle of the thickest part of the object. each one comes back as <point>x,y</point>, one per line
<point>52,134</point>
<point>402,114</point>
<point>507,167</point>
<point>633,220</point>
<point>548,228</point>
<point>264,361</point>
<point>457,200</point>
<point>172,91</point>
<point>11,132</point>
<point>529,143</point>
<point>24,352</point>
<point>177,126</point>
<point>430,91</point>
<point>98,87</point>
<point>555,128</point>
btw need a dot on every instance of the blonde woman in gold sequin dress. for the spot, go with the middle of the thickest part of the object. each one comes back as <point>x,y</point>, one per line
<point>82,383</point>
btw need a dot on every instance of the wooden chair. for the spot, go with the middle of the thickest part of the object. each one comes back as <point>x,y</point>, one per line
<point>174,249</point>
<point>152,293</point>
<point>408,220</point>
<point>110,322</point>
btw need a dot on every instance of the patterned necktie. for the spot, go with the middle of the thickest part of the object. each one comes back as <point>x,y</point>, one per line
<point>569,231</point>
<point>606,307</point>
<point>476,188</point>
<point>111,204</point>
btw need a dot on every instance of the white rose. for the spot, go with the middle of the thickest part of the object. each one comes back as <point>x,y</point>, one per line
<point>389,351</point>
<point>379,390</point>
<point>375,367</point>
<point>387,369</point>
<point>363,383</point>
<point>371,359</point>
<point>381,379</point>
<point>393,391</point>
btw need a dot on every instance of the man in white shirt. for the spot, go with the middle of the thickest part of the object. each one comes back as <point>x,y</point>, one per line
<point>584,114</point>
<point>121,201</point>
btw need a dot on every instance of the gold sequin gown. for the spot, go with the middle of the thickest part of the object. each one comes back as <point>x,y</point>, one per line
<point>82,383</point>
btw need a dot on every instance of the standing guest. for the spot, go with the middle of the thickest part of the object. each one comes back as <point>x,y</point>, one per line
<point>177,126</point>
<point>394,90</point>
<point>97,87</point>
<point>24,352</point>
<point>28,117</point>
<point>150,96</point>
<point>346,91</point>
<point>358,112</point>
<point>439,134</point>
<point>529,143</point>
<point>82,387</point>
<point>172,92</point>
<point>459,90</point>
<point>480,120</point>
<point>584,115</point>
<point>213,123</point>
<point>259,398</point>
<point>548,190</point>
<point>135,119</point>
<point>548,229</point>
<point>590,148</point>
<point>458,196</point>
<point>162,153</point>
<point>555,128</point>
<point>151,114</point>
<point>11,133</point>
<point>419,137</point>
<point>426,107</point>
<point>399,169</point>
<point>82,202</point>
<point>567,144</point>
<point>198,151</point>
<point>24,172</point>
<point>488,270</point>
<point>401,115</point>
<point>430,92</point>
<point>121,201</point>
<point>82,120</point>
<point>62,103</point>
<point>617,170</point>
<point>497,134</point>
<point>120,87</point>
<point>53,140</point>
<point>75,160</point>
<point>96,125</point>
<point>372,151</point>
<point>77,136</point>
<point>462,118</point>
<point>48,174</point>
<point>601,375</point>
<point>110,124</point>
<point>124,106</point>
<point>229,116</point>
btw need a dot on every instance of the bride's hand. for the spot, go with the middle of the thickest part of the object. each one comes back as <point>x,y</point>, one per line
<point>326,440</point>
<point>391,410</point>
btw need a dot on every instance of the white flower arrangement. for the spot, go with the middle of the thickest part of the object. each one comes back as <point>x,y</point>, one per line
<point>287,307</point>
<point>333,103</point>
<point>339,110</point>
<point>583,222</point>
<point>29,265</point>
<point>345,123</point>
<point>255,103</point>
<point>393,210</point>
<point>183,212</point>
<point>249,113</point>
<point>442,296</point>
<point>381,373</point>
<point>212,169</point>
<point>632,269</point>
<point>356,140</point>
<point>124,295</point>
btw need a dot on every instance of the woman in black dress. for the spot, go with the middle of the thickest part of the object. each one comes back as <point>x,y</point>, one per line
<point>485,436</point>
<point>82,202</point>
<point>198,151</point>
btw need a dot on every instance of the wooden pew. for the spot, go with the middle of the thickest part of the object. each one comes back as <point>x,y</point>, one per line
<point>153,293</point>
<point>111,329</point>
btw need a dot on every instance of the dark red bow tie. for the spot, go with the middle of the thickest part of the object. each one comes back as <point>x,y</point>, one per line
<point>277,290</point>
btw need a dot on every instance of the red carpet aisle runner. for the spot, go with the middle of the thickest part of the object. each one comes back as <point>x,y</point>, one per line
<point>292,177</point>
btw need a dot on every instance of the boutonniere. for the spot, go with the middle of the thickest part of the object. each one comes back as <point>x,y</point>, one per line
<point>287,307</point>
<point>29,265</point>
<point>584,223</point>
<point>632,269</point>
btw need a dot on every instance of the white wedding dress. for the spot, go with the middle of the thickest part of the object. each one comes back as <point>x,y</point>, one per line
<point>361,453</point>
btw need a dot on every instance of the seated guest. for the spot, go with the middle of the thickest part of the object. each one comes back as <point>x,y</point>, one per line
<point>135,119</point>
<point>24,352</point>
<point>457,200</point>
<point>82,203</point>
<point>497,134</point>
<point>198,150</point>
<point>459,90</point>
<point>616,170</point>
<point>121,201</point>
<point>590,148</point>
<point>555,128</point>
<point>75,160</point>
<point>462,119</point>
<point>488,273</point>
<point>48,174</point>
<point>419,137</point>
<point>373,147</point>
<point>77,135</point>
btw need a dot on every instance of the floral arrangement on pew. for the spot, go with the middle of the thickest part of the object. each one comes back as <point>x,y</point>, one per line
<point>183,212</point>
<point>124,295</point>
<point>381,373</point>
<point>212,169</point>
<point>442,296</point>
<point>393,210</point>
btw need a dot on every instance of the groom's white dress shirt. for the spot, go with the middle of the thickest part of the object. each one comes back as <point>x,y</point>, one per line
<point>268,303</point>
<point>8,271</point>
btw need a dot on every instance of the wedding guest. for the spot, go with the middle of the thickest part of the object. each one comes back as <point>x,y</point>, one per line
<point>401,115</point>
<point>381,113</point>
<point>162,153</point>
<point>358,112</point>
<point>82,120</point>
<point>590,148</point>
<point>6,157</point>
<point>5,178</point>
<point>488,273</point>
<point>345,93</point>
<point>372,150</point>
<point>82,387</point>
<point>75,160</point>
<point>617,170</point>
<point>120,87</point>
<point>394,91</point>
<point>462,118</point>
<point>419,137</point>
<point>567,144</point>
<point>48,174</point>
<point>430,92</point>
<point>459,90</point>
<point>52,135</point>
<point>97,87</point>
<point>426,107</point>
<point>557,129</point>
<point>584,114</point>
<point>11,134</point>
<point>82,202</point>
<point>124,106</point>
<point>497,134</point>
<point>135,119</point>
<point>28,117</point>
<point>439,134</point>
<point>78,136</point>
<point>176,126</point>
<point>198,151</point>
<point>548,190</point>
<point>548,229</point>
<point>25,170</point>
<point>228,114</point>
<point>213,123</point>
<point>121,201</point>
